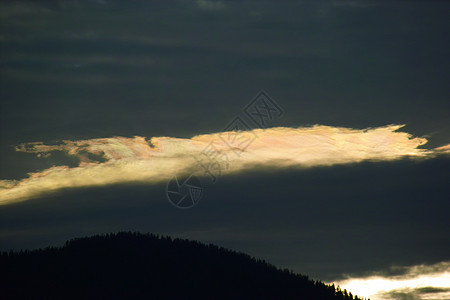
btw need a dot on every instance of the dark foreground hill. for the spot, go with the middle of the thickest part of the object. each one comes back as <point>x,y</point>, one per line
<point>136,266</point>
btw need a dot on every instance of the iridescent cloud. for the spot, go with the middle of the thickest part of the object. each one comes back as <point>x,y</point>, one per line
<point>158,159</point>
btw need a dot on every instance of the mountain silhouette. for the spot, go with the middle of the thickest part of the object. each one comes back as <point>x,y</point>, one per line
<point>145,266</point>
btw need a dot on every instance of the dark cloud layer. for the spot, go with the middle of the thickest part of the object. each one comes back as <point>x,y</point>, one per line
<point>369,215</point>
<point>345,65</point>
<point>71,70</point>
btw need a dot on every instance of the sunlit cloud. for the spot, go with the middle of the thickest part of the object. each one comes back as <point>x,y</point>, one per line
<point>415,282</point>
<point>107,161</point>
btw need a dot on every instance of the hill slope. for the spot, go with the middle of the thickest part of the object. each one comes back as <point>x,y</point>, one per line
<point>133,265</point>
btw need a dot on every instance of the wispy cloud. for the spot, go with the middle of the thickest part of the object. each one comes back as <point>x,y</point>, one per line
<point>414,282</point>
<point>106,161</point>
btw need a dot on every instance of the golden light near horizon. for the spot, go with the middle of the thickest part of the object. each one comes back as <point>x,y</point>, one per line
<point>419,282</point>
<point>158,159</point>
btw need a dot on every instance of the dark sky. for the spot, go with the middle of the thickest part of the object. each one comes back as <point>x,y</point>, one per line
<point>71,70</point>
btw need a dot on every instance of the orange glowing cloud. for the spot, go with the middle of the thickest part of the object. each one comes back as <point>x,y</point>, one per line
<point>158,159</point>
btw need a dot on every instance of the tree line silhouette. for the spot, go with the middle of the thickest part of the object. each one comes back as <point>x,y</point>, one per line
<point>132,265</point>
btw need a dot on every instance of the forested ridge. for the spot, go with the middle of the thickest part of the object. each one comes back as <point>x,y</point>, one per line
<point>137,266</point>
